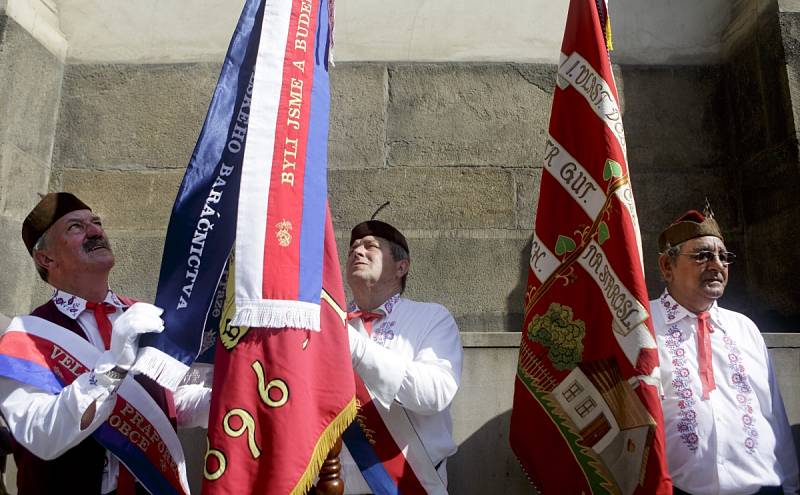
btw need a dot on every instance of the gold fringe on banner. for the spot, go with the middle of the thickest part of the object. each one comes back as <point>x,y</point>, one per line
<point>609,38</point>
<point>324,446</point>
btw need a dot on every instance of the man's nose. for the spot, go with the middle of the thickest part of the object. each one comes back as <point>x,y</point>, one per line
<point>94,230</point>
<point>716,263</point>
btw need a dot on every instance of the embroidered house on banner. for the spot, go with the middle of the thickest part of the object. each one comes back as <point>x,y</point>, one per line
<point>610,418</point>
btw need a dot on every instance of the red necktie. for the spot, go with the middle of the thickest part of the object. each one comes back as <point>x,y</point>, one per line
<point>367,317</point>
<point>126,483</point>
<point>704,361</point>
<point>101,312</point>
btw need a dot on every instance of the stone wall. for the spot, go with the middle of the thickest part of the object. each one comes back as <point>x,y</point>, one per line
<point>763,98</point>
<point>30,88</point>
<point>455,148</point>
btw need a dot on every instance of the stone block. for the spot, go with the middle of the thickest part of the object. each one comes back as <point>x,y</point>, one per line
<point>31,80</point>
<point>527,183</point>
<point>138,261</point>
<point>357,130</point>
<point>674,117</point>
<point>129,200</point>
<point>481,280</point>
<point>481,418</point>
<point>786,363</point>
<point>662,196</point>
<point>18,273</point>
<point>22,176</point>
<point>122,116</point>
<point>468,114</point>
<point>424,198</point>
<point>772,280</point>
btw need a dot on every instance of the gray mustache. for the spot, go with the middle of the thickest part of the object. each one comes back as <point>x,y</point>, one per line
<point>93,243</point>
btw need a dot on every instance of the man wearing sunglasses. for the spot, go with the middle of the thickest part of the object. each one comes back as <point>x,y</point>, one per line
<point>725,423</point>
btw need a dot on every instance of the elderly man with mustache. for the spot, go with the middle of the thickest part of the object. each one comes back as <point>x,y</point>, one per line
<point>58,442</point>
<point>725,423</point>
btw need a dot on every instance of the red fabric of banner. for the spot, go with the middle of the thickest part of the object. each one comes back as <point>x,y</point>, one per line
<point>281,398</point>
<point>587,416</point>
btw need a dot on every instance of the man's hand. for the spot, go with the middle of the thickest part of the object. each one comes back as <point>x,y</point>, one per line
<point>138,319</point>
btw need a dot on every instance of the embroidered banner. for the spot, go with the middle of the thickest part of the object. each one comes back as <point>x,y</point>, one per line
<point>586,385</point>
<point>281,398</point>
<point>43,355</point>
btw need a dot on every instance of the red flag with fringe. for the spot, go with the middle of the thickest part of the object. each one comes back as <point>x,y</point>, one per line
<point>281,397</point>
<point>587,416</point>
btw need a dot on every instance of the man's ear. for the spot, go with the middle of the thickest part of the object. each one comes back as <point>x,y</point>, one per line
<point>42,260</point>
<point>665,266</point>
<point>402,268</point>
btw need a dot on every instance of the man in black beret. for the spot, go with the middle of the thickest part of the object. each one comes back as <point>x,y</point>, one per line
<point>725,424</point>
<point>62,367</point>
<point>407,353</point>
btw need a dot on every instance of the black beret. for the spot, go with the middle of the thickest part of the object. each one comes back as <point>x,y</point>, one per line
<point>378,229</point>
<point>50,208</point>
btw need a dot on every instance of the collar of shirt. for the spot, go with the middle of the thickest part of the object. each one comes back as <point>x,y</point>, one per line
<point>674,312</point>
<point>73,306</point>
<point>386,308</point>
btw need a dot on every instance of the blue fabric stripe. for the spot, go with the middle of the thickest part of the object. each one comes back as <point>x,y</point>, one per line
<point>379,481</point>
<point>30,373</point>
<point>136,461</point>
<point>315,189</point>
<point>186,299</point>
<point>44,379</point>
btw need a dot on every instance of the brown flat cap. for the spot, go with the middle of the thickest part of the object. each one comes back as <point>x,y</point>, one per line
<point>690,225</point>
<point>378,229</point>
<point>51,207</point>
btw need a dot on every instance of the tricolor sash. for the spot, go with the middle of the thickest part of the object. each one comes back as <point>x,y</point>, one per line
<point>388,450</point>
<point>49,357</point>
<point>283,193</point>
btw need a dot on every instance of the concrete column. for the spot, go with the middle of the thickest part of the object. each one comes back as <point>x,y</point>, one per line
<point>762,81</point>
<point>32,51</point>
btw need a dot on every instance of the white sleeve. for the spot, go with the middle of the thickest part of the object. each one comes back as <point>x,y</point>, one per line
<point>431,380</point>
<point>192,405</point>
<point>426,384</point>
<point>48,425</point>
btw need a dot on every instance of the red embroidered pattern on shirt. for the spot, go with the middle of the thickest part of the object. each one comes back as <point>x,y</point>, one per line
<point>681,383</point>
<point>744,401</point>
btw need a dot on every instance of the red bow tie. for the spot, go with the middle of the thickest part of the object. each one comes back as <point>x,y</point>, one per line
<point>367,317</point>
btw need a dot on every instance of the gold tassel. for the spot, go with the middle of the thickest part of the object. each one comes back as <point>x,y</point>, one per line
<point>324,446</point>
<point>609,38</point>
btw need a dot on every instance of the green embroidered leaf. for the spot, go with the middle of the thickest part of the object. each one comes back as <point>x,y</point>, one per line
<point>602,233</point>
<point>564,245</point>
<point>612,169</point>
